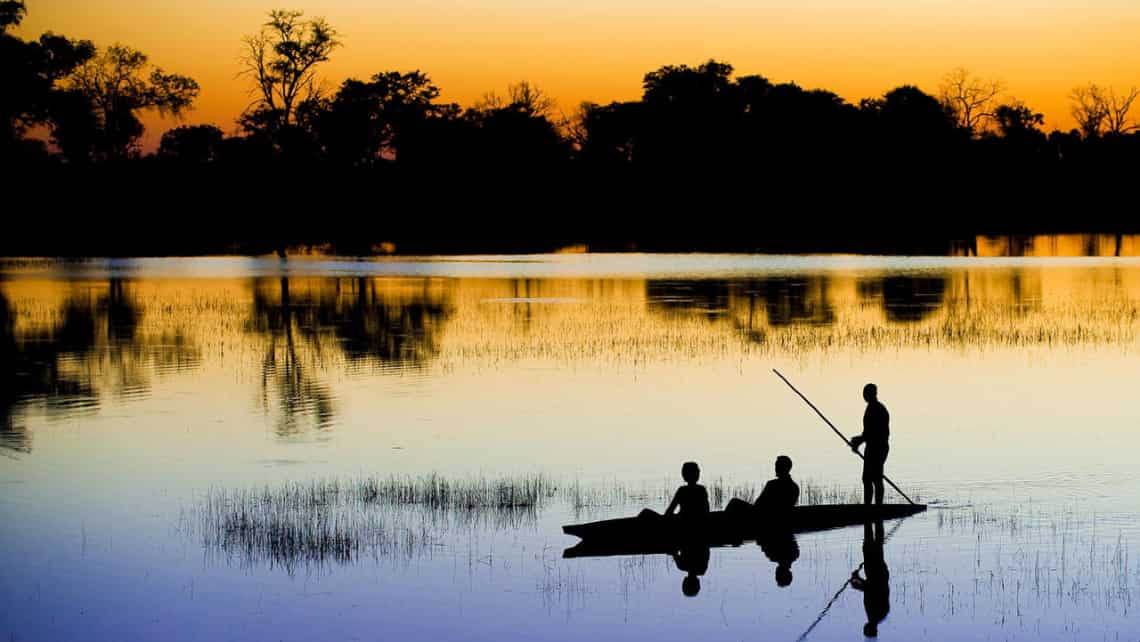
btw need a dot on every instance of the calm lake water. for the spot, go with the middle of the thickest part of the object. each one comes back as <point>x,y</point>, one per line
<point>143,398</point>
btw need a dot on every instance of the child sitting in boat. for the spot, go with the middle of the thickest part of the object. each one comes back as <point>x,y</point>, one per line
<point>691,499</point>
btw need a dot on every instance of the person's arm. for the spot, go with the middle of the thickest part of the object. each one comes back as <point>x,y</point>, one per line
<point>795,493</point>
<point>765,494</point>
<point>673,504</point>
<point>858,440</point>
<point>857,582</point>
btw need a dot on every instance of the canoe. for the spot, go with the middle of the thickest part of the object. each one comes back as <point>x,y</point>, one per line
<point>654,533</point>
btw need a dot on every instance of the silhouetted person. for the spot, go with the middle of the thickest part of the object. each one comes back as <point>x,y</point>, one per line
<point>876,586</point>
<point>692,500</point>
<point>779,494</point>
<point>782,492</point>
<point>694,561</point>
<point>780,546</point>
<point>876,433</point>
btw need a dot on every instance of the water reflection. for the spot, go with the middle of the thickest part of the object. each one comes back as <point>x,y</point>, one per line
<point>307,325</point>
<point>70,344</point>
<point>905,298</point>
<point>780,546</point>
<point>66,361</point>
<point>693,561</point>
<point>875,582</point>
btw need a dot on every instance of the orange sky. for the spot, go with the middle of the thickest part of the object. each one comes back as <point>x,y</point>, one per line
<point>599,49</point>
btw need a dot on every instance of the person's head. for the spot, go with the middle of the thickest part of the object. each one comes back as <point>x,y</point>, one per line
<point>691,472</point>
<point>870,392</point>
<point>783,576</point>
<point>691,585</point>
<point>783,466</point>
<point>870,630</point>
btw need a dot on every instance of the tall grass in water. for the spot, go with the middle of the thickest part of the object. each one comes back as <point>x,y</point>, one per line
<point>435,491</point>
<point>337,521</point>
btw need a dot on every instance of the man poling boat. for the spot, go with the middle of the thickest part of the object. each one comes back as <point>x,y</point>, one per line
<point>876,434</point>
<point>880,433</point>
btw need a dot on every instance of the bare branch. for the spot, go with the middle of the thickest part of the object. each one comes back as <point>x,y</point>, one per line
<point>971,99</point>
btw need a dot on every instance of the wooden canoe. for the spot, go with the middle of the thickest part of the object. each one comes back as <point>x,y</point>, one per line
<point>654,533</point>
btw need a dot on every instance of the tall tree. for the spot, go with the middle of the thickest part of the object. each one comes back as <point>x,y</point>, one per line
<point>1118,121</point>
<point>519,131</point>
<point>192,144</point>
<point>116,86</point>
<point>281,60</point>
<point>30,72</point>
<point>970,98</point>
<point>1089,108</point>
<point>367,121</point>
<point>1015,120</point>
<point>12,12</point>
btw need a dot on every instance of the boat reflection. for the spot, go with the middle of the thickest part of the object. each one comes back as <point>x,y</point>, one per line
<point>779,546</point>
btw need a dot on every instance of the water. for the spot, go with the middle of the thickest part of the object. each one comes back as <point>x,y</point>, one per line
<point>137,390</point>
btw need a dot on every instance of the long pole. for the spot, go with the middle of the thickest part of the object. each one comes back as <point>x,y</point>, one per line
<point>836,430</point>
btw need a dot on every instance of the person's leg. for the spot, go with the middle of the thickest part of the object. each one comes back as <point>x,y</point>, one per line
<point>879,491</point>
<point>868,492</point>
<point>737,506</point>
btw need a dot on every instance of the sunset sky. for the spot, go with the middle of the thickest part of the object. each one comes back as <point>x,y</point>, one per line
<point>598,50</point>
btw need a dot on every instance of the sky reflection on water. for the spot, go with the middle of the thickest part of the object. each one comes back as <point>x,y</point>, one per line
<point>131,388</point>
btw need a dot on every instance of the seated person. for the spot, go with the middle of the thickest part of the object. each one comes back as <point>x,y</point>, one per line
<point>782,492</point>
<point>692,500</point>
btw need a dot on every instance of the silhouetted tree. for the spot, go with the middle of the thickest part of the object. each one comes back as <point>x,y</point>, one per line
<point>281,61</point>
<point>971,99</point>
<point>518,133</point>
<point>12,12</point>
<point>1018,137</point>
<point>192,144</point>
<point>1016,120</point>
<point>1118,121</point>
<point>367,121</point>
<point>116,86</point>
<point>689,115</point>
<point>607,135</point>
<point>30,73</point>
<point>1090,109</point>
<point>910,125</point>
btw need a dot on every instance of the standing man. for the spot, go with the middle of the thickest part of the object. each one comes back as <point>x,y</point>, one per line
<point>876,433</point>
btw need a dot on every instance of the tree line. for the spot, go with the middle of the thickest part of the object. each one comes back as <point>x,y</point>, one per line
<point>90,100</point>
<point>699,138</point>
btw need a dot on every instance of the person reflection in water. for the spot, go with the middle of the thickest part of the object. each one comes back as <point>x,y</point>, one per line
<point>780,546</point>
<point>876,433</point>
<point>694,561</point>
<point>876,585</point>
